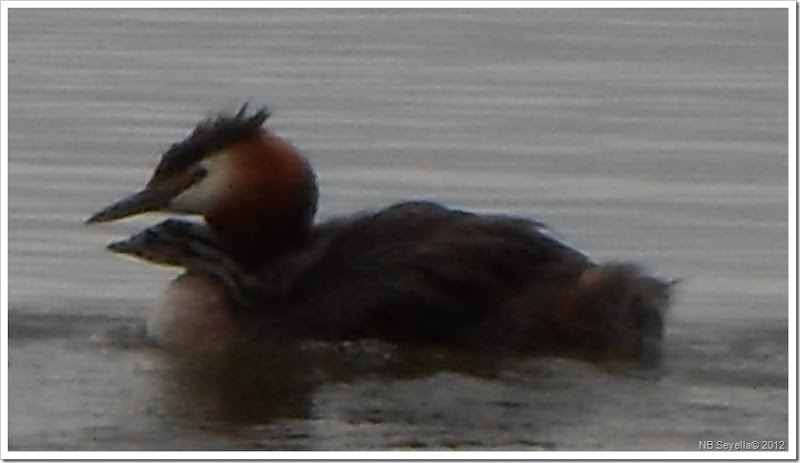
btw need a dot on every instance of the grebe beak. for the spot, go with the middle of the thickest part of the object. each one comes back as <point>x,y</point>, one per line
<point>156,196</point>
<point>144,201</point>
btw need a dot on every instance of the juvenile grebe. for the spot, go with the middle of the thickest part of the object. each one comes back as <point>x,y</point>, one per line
<point>412,272</point>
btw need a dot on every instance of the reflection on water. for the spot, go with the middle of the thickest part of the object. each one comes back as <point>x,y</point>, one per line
<point>240,388</point>
<point>261,384</point>
<point>657,136</point>
<point>120,394</point>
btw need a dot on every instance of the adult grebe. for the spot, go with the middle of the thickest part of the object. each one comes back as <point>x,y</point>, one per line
<point>414,272</point>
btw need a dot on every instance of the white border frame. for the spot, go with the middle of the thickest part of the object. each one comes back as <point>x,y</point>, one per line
<point>791,454</point>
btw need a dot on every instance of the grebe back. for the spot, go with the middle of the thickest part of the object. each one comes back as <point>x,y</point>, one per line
<point>412,272</point>
<point>422,273</point>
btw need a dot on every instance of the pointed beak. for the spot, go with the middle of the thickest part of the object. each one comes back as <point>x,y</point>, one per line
<point>156,196</point>
<point>121,247</point>
<point>149,199</point>
<point>140,246</point>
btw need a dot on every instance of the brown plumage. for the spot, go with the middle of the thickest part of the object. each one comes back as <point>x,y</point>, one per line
<point>421,273</point>
<point>414,272</point>
<point>272,200</point>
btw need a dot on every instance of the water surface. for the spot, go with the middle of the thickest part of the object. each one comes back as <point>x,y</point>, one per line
<point>651,135</point>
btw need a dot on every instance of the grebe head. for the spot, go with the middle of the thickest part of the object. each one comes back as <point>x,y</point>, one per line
<point>251,186</point>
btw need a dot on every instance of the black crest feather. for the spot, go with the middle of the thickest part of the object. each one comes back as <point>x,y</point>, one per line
<point>210,135</point>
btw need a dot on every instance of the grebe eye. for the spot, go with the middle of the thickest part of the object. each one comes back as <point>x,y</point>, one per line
<point>198,172</point>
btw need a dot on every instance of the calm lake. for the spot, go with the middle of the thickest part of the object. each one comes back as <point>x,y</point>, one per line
<point>658,136</point>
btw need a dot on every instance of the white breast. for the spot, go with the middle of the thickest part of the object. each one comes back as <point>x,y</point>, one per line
<point>193,316</point>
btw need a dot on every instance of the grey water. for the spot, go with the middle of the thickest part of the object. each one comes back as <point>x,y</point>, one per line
<point>658,136</point>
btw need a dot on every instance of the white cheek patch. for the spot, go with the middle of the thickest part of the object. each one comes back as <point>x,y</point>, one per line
<point>200,197</point>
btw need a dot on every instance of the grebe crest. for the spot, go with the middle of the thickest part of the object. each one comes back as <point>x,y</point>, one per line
<point>255,191</point>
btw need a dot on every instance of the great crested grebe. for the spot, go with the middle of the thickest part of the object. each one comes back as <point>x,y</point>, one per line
<point>414,272</point>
